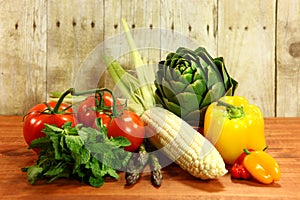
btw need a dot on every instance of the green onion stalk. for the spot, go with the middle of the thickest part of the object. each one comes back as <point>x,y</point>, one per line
<point>138,91</point>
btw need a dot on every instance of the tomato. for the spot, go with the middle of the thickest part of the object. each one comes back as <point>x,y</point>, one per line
<point>36,118</point>
<point>128,125</point>
<point>106,120</point>
<point>88,110</point>
<point>86,113</point>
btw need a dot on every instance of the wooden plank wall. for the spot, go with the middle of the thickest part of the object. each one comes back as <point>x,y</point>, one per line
<point>44,43</point>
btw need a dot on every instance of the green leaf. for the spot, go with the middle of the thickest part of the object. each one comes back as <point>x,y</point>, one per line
<point>64,174</point>
<point>109,158</point>
<point>34,172</point>
<point>66,154</point>
<point>82,157</point>
<point>74,143</point>
<point>56,145</point>
<point>99,147</point>
<point>96,181</point>
<point>51,128</point>
<point>41,142</point>
<point>62,144</point>
<point>67,157</point>
<point>55,170</point>
<point>120,141</point>
<point>88,135</point>
<point>110,171</point>
<point>67,125</point>
<point>95,167</point>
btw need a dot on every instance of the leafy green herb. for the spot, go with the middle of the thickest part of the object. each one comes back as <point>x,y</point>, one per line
<point>78,152</point>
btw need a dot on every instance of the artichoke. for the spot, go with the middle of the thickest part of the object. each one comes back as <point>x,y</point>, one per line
<point>189,81</point>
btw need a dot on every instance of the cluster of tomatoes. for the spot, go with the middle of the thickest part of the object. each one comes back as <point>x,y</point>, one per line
<point>117,119</point>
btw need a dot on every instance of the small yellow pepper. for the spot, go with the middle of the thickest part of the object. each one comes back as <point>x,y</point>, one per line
<point>232,125</point>
<point>262,166</point>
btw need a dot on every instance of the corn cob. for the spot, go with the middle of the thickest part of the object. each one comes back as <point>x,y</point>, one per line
<point>184,145</point>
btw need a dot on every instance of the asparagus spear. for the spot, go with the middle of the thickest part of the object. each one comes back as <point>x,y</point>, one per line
<point>136,165</point>
<point>156,175</point>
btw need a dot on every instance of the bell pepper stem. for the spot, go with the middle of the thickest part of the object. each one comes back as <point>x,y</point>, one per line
<point>232,111</point>
<point>247,152</point>
<point>265,148</point>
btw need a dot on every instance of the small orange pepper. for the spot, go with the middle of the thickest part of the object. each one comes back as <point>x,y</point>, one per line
<point>262,166</point>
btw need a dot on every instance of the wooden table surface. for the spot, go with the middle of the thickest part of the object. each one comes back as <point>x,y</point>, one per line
<point>282,135</point>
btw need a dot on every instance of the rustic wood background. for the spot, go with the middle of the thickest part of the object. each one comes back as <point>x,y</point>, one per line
<point>43,43</point>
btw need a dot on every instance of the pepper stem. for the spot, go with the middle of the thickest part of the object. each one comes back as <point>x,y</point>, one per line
<point>264,149</point>
<point>232,111</point>
<point>247,152</point>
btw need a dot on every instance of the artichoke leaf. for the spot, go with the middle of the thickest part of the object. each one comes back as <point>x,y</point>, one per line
<point>187,102</point>
<point>199,86</point>
<point>177,87</point>
<point>228,81</point>
<point>213,77</point>
<point>213,94</point>
<point>167,89</point>
<point>175,74</point>
<point>187,78</point>
<point>193,117</point>
<point>172,106</point>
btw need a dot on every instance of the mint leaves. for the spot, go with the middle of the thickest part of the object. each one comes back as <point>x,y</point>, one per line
<point>78,152</point>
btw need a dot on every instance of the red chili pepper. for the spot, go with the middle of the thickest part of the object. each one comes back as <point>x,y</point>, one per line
<point>238,170</point>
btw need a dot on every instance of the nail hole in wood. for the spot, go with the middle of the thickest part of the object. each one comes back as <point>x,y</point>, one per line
<point>150,26</point>
<point>116,26</point>
<point>230,28</point>
<point>57,24</point>
<point>133,26</point>
<point>172,26</point>
<point>16,26</point>
<point>92,24</point>
<point>190,28</point>
<point>34,25</point>
<point>246,28</point>
<point>207,28</point>
<point>74,23</point>
<point>264,27</point>
<point>294,49</point>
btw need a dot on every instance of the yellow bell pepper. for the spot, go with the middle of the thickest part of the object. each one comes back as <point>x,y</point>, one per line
<point>262,166</point>
<point>232,125</point>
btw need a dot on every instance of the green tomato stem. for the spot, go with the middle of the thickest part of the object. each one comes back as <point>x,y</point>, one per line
<point>60,100</point>
<point>98,91</point>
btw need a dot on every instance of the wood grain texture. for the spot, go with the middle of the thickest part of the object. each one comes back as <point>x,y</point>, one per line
<point>194,20</point>
<point>45,42</point>
<point>23,55</point>
<point>288,58</point>
<point>282,135</point>
<point>74,29</point>
<point>246,35</point>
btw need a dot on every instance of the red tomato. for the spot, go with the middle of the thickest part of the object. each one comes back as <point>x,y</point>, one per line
<point>87,110</point>
<point>128,125</point>
<point>106,120</point>
<point>36,118</point>
<point>86,113</point>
